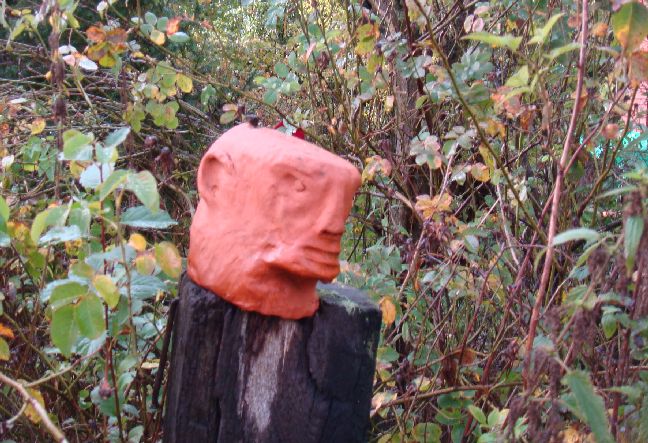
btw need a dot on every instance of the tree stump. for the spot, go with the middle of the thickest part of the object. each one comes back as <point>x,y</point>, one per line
<point>237,376</point>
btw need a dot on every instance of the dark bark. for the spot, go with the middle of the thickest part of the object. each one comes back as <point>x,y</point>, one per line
<point>237,376</point>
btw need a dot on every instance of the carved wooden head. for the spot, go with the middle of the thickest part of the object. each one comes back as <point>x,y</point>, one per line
<point>270,219</point>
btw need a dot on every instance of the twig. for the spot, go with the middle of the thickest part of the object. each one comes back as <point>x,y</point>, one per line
<point>56,433</point>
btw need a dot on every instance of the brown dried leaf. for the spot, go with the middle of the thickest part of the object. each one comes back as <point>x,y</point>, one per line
<point>117,39</point>
<point>599,29</point>
<point>5,331</point>
<point>639,66</point>
<point>95,34</point>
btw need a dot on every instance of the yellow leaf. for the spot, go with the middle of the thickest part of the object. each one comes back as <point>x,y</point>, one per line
<point>430,206</point>
<point>37,126</point>
<point>184,83</point>
<point>107,61</point>
<point>389,103</point>
<point>137,241</point>
<point>480,172</point>
<point>158,37</point>
<point>5,354</point>
<point>151,364</point>
<point>486,155</point>
<point>145,264</point>
<point>168,258</point>
<point>380,399</point>
<point>374,165</point>
<point>388,310</point>
<point>30,412</point>
<point>5,331</point>
<point>573,435</point>
<point>107,290</point>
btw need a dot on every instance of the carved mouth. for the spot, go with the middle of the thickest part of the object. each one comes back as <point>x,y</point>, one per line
<point>324,255</point>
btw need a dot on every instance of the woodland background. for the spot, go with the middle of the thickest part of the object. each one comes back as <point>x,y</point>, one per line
<point>500,225</point>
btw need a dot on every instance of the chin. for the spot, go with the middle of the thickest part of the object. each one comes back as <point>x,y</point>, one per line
<point>325,271</point>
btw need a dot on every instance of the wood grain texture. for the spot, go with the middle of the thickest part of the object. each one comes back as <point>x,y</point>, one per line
<point>237,376</point>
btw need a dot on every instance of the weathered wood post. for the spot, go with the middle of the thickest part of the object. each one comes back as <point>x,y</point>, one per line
<point>239,376</point>
<point>259,354</point>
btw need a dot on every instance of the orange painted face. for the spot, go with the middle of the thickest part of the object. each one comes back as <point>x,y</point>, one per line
<point>270,220</point>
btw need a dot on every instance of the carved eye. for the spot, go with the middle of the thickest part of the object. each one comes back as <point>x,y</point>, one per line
<point>299,185</point>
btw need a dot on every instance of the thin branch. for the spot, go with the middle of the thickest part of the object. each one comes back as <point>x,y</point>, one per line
<point>555,205</point>
<point>56,433</point>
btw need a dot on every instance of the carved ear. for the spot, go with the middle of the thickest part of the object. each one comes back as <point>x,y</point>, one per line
<point>214,172</point>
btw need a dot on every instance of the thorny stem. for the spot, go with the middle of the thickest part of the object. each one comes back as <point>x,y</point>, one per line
<point>555,205</point>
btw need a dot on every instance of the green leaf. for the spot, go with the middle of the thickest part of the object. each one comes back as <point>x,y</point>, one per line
<point>107,290</point>
<point>634,227</point>
<point>179,37</point>
<point>633,393</point>
<point>77,146</point>
<point>66,294</point>
<point>5,240</point>
<point>541,34</point>
<point>427,432</point>
<point>116,138</point>
<point>270,96</point>
<point>228,117</point>
<point>630,25</point>
<point>496,41</point>
<point>142,217</point>
<point>609,323</point>
<point>144,186</point>
<point>589,405</point>
<point>135,435</point>
<point>557,52</point>
<point>60,234</point>
<point>520,78</point>
<point>208,92</point>
<point>145,286</point>
<point>48,217</point>
<point>184,83</point>
<point>91,177</point>
<point>643,421</point>
<point>281,69</point>
<point>162,24</point>
<point>4,209</point>
<point>168,257</point>
<point>478,414</point>
<point>90,317</point>
<point>114,180</point>
<point>150,18</point>
<point>5,354</point>
<point>64,329</point>
<point>576,234</point>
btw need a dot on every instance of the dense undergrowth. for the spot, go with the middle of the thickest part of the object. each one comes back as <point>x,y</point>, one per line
<point>500,225</point>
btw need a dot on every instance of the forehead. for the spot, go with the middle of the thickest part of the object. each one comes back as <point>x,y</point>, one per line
<point>263,149</point>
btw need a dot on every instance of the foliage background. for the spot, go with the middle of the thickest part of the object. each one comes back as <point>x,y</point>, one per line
<point>500,225</point>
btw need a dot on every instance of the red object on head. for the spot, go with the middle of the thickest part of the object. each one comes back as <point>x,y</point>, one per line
<point>299,133</point>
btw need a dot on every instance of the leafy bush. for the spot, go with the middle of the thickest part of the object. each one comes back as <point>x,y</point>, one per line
<point>500,225</point>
